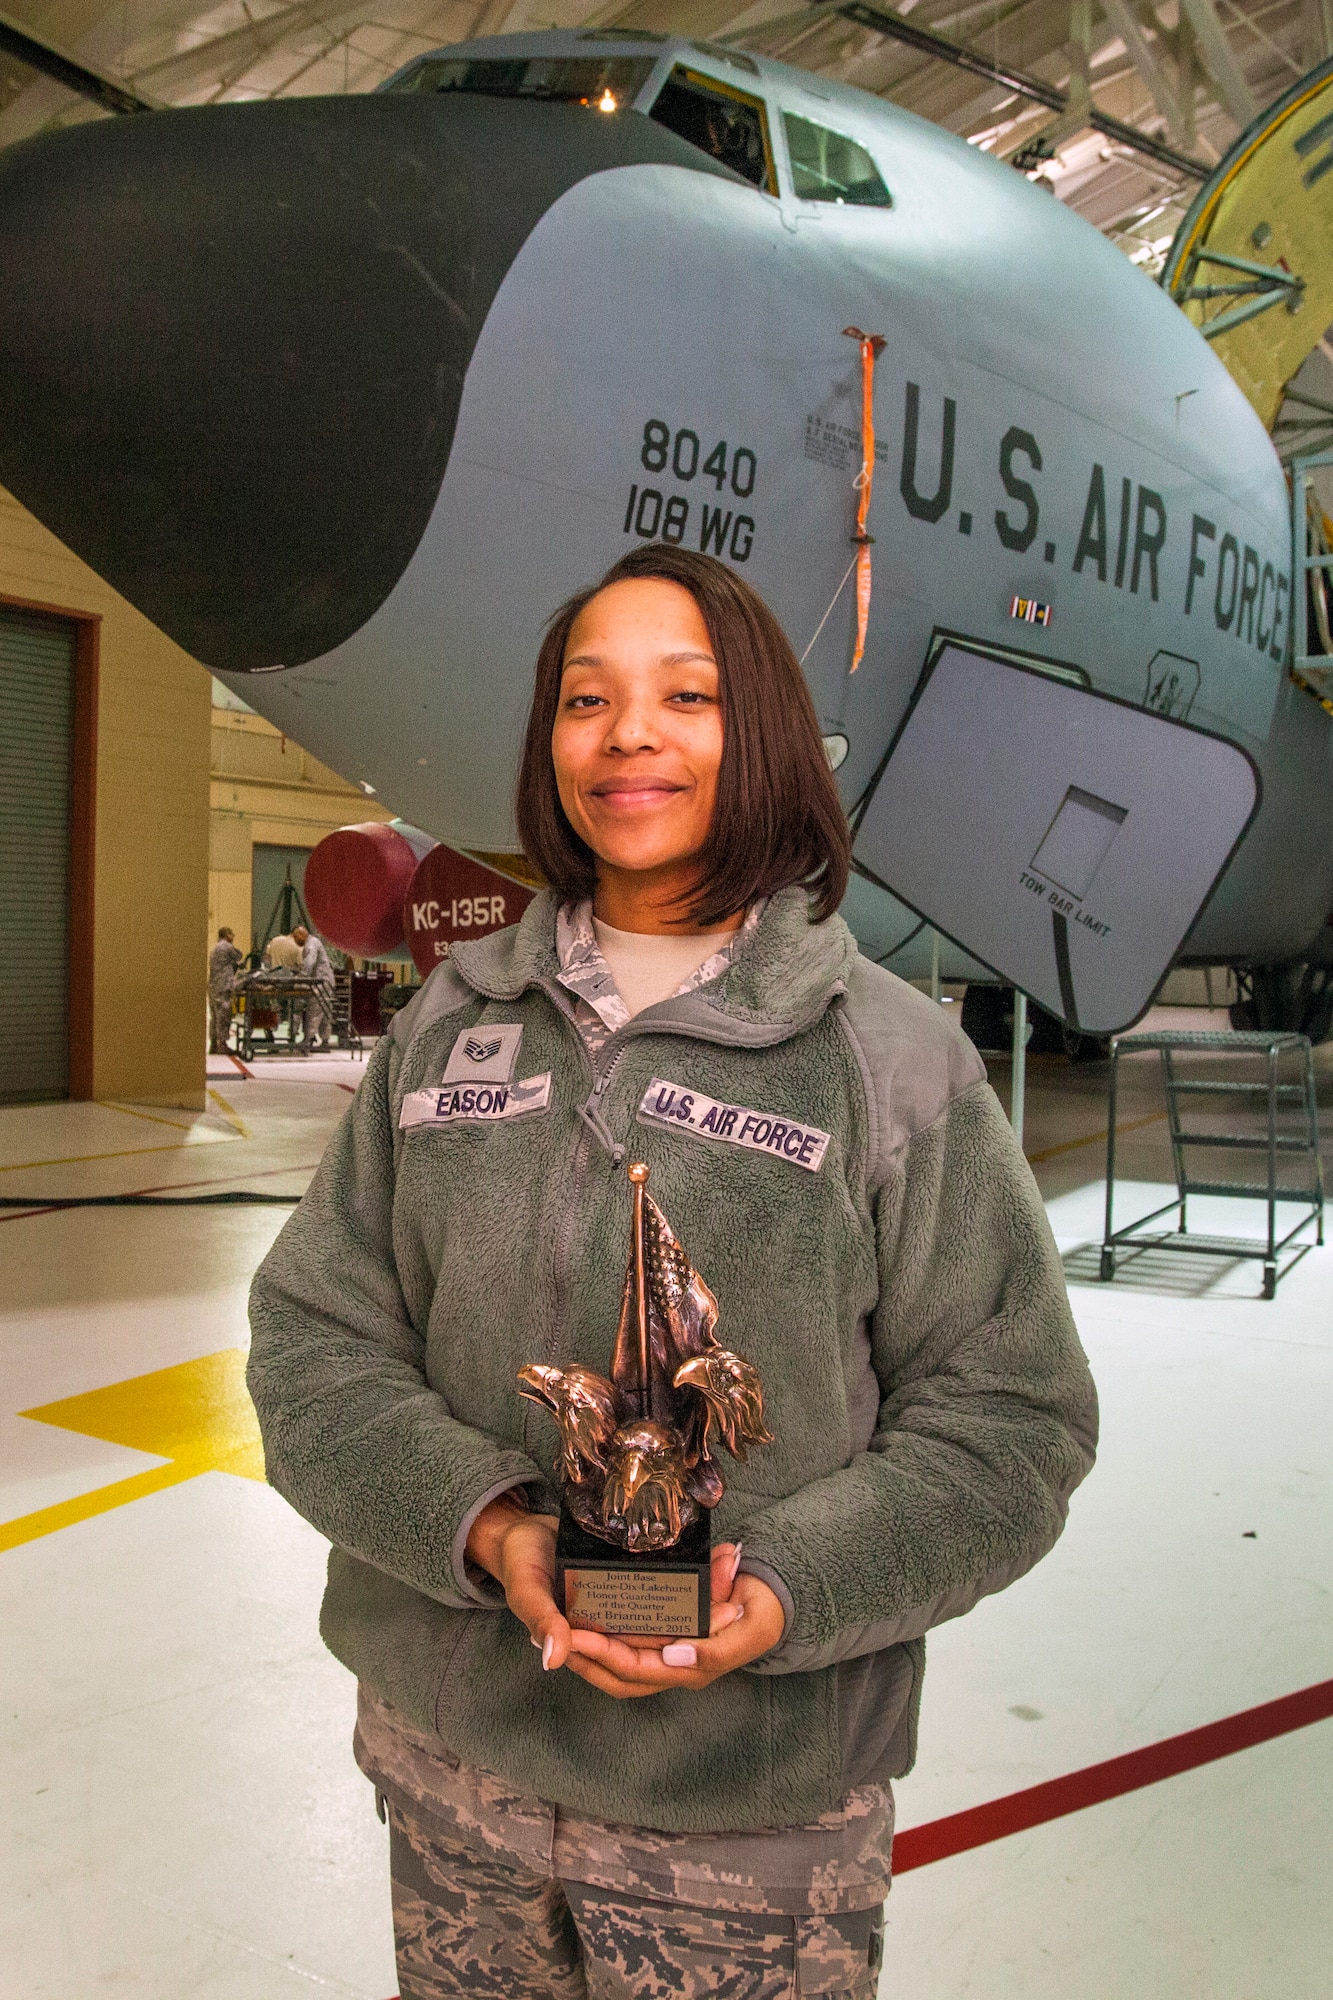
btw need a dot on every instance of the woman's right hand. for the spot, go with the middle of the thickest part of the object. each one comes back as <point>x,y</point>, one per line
<point>518,1549</point>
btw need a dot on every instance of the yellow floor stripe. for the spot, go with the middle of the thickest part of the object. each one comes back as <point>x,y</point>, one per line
<point>229,1111</point>
<point>129,1152</point>
<point>152,1117</point>
<point>31,1527</point>
<point>1094,1138</point>
<point>197,1414</point>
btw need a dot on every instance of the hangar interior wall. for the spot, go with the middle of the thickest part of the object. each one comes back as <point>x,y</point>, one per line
<point>264,791</point>
<point>137,970</point>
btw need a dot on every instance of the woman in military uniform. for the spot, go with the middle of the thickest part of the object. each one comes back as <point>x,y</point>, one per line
<point>572,1813</point>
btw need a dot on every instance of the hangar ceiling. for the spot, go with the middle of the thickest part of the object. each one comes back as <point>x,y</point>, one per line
<point>1192,73</point>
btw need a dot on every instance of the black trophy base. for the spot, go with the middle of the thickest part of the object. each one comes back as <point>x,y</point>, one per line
<point>602,1588</point>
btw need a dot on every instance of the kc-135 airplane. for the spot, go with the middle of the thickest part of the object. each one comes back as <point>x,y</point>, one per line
<point>347,393</point>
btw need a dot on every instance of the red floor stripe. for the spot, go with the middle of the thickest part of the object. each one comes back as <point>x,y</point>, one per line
<point>998,1818</point>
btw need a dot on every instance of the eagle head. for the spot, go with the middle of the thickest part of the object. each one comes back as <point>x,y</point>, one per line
<point>583,1404</point>
<point>732,1396</point>
<point>645,1486</point>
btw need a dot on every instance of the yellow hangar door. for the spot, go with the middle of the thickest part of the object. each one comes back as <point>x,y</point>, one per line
<point>37,682</point>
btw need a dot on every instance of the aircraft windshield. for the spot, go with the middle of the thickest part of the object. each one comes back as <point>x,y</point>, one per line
<point>825,166</point>
<point>729,124</point>
<point>605,83</point>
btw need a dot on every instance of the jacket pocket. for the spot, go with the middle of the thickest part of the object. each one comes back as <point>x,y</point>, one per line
<point>391,1637</point>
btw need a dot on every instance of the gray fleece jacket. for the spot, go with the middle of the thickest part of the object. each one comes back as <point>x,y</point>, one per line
<point>902,1300</point>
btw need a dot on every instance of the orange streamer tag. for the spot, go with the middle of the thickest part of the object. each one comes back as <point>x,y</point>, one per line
<point>872,345</point>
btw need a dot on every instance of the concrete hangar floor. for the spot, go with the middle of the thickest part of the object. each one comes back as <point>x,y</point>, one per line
<point>1142,1722</point>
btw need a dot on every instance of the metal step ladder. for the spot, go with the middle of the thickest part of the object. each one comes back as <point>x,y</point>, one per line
<point>1311,563</point>
<point>1286,1085</point>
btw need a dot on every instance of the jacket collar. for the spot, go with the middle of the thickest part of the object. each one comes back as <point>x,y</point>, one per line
<point>783,975</point>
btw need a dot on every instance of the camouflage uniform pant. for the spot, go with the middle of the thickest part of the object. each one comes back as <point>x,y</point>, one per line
<point>319,1016</point>
<point>465,1923</point>
<point>219,1011</point>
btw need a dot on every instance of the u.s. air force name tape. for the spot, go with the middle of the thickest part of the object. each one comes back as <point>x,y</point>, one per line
<point>476,1103</point>
<point>672,1104</point>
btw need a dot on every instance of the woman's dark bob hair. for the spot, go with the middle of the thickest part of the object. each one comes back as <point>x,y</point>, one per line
<point>778,817</point>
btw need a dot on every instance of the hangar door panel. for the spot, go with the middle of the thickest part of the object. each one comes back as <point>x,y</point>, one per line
<point>271,868</point>
<point>1066,839</point>
<point>36,742</point>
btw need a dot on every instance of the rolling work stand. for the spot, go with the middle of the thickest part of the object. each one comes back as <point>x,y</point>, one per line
<point>284,999</point>
<point>1286,1084</point>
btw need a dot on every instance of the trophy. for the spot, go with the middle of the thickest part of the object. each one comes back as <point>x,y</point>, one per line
<point>639,1477</point>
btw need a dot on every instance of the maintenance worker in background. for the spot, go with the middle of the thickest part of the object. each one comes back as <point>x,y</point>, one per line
<point>224,961</point>
<point>283,954</point>
<point>316,965</point>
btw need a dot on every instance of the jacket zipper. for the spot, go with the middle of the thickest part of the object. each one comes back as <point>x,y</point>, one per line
<point>590,1114</point>
<point>591,1110</point>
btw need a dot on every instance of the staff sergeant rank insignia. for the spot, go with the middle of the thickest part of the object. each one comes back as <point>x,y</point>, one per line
<point>673,1105</point>
<point>484,1054</point>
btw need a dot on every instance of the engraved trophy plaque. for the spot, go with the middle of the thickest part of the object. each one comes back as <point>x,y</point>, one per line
<point>639,1477</point>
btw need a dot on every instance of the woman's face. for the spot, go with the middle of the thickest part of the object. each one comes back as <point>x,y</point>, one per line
<point>637,742</point>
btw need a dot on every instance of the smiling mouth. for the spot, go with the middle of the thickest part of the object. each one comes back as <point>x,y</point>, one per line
<point>631,795</point>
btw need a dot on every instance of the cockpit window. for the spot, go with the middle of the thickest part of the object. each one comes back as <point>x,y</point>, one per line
<point>604,83</point>
<point>727,123</point>
<point>825,166</point>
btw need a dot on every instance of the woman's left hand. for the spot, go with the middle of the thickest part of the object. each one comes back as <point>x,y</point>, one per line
<point>747,1620</point>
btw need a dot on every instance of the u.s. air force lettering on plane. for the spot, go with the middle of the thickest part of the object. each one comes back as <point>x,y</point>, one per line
<point>673,1105</point>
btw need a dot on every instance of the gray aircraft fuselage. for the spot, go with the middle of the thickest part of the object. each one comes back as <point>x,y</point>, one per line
<point>367,386</point>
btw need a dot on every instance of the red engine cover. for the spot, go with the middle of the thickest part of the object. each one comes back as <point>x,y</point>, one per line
<point>355,881</point>
<point>453,897</point>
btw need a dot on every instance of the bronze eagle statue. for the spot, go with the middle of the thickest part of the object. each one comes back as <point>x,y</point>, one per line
<point>636,1451</point>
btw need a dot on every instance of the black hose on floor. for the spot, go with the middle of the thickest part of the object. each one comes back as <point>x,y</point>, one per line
<point>237,1198</point>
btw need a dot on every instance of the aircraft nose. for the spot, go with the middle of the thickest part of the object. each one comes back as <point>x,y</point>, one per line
<point>233,342</point>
